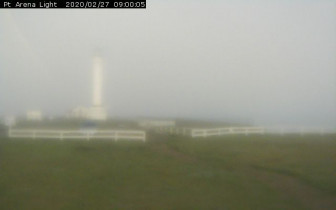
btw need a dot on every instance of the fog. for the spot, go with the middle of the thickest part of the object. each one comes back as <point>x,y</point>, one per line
<point>260,62</point>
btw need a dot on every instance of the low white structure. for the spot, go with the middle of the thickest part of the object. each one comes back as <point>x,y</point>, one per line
<point>9,121</point>
<point>156,123</point>
<point>34,115</point>
<point>79,113</point>
<point>97,113</point>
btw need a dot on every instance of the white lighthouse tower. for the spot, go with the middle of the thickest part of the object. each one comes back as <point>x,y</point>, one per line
<point>97,111</point>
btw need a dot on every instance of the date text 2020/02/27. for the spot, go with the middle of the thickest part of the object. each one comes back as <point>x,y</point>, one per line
<point>106,4</point>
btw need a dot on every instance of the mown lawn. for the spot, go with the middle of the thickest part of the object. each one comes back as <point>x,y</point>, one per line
<point>169,172</point>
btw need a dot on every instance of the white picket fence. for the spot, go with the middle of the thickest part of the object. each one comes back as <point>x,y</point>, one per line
<point>226,131</point>
<point>174,130</point>
<point>141,135</point>
<point>300,130</point>
<point>78,134</point>
<point>206,132</point>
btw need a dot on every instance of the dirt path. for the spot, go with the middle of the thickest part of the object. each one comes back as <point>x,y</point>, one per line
<point>162,147</point>
<point>308,196</point>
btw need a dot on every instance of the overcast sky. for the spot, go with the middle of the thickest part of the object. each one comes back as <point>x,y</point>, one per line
<point>262,62</point>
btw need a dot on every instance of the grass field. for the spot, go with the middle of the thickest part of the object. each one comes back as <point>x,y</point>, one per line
<point>167,172</point>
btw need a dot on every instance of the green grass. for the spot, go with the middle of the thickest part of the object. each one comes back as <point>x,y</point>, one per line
<point>169,172</point>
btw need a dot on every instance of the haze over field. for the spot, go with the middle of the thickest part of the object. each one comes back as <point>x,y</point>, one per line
<point>262,62</point>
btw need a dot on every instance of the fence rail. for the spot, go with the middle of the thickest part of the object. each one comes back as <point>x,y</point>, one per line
<point>78,134</point>
<point>141,135</point>
<point>226,131</point>
<point>300,130</point>
<point>174,130</point>
<point>206,132</point>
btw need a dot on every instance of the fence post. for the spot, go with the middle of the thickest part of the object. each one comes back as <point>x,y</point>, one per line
<point>61,135</point>
<point>34,134</point>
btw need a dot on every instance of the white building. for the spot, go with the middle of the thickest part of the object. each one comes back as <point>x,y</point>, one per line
<point>10,121</point>
<point>34,115</point>
<point>79,113</point>
<point>151,123</point>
